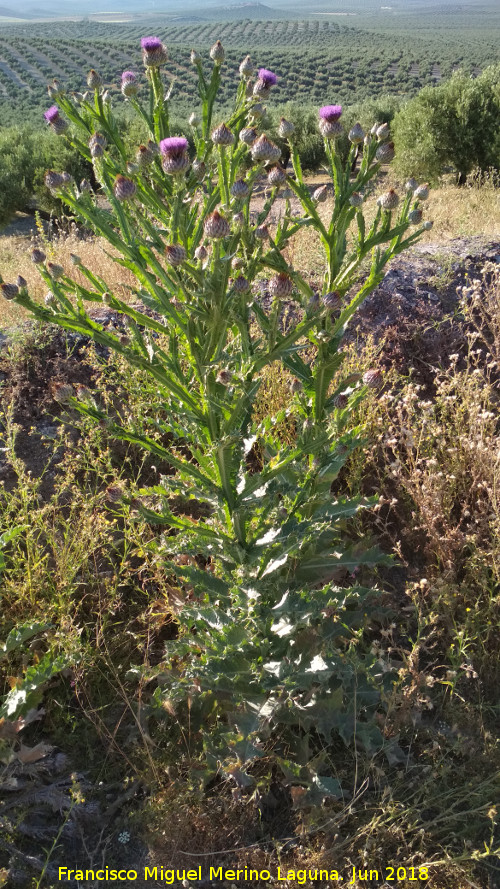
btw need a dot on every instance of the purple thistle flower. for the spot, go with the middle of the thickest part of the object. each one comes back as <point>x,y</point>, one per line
<point>52,114</point>
<point>151,43</point>
<point>268,77</point>
<point>129,76</point>
<point>330,112</point>
<point>173,145</point>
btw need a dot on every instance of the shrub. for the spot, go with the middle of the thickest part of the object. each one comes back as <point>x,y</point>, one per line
<point>455,123</point>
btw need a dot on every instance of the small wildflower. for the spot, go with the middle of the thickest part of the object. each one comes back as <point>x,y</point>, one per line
<point>222,135</point>
<point>53,118</point>
<point>356,134</point>
<point>216,226</point>
<point>389,200</point>
<point>265,150</point>
<point>246,67</point>
<point>124,188</point>
<point>174,151</point>
<point>240,189</point>
<point>217,53</point>
<point>281,286</point>
<point>385,152</point>
<point>9,291</point>
<point>286,128</point>
<point>175,254</point>
<point>154,53</point>
<point>94,80</point>
<point>129,85</point>
<point>124,837</point>
<point>248,135</point>
<point>320,194</point>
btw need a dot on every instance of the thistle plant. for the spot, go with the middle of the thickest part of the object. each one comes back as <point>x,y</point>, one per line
<point>270,619</point>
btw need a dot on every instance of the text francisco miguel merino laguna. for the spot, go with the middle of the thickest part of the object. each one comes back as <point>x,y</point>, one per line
<point>170,876</point>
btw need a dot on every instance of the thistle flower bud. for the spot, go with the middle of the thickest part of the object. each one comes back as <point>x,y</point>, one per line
<point>385,152</point>
<point>125,340</point>
<point>75,259</point>
<point>154,53</point>
<point>129,86</point>
<point>383,132</point>
<point>53,180</point>
<point>9,291</point>
<point>295,386</point>
<point>55,89</point>
<point>67,178</point>
<point>374,129</point>
<point>238,263</point>
<point>368,139</point>
<point>422,192</point>
<point>276,176</point>
<point>281,286</point>
<point>37,256</point>
<point>224,376</point>
<point>313,304</point>
<point>258,110</point>
<point>241,284</point>
<point>373,379</point>
<point>286,128</point>
<point>175,159</point>
<point>238,220</point>
<point>320,194</point>
<point>389,200</point>
<point>415,216</point>
<point>195,57</point>
<point>261,232</point>
<point>21,282</point>
<point>217,53</point>
<point>356,134</point>
<point>98,139</point>
<point>94,81</point>
<point>85,186</point>
<point>107,298</point>
<point>240,189</point>
<point>199,169</point>
<point>332,300</point>
<point>175,254</point>
<point>246,67</point>
<point>222,135</point>
<point>50,300</point>
<point>106,97</point>
<point>124,189</point>
<point>132,168</point>
<point>55,121</point>
<point>55,270</point>
<point>411,185</point>
<point>427,225</point>
<point>144,156</point>
<point>248,135</point>
<point>194,120</point>
<point>356,199</point>
<point>266,79</point>
<point>265,150</point>
<point>96,150</point>
<point>114,493</point>
<point>62,392</point>
<point>216,226</point>
<point>341,401</point>
<point>201,253</point>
